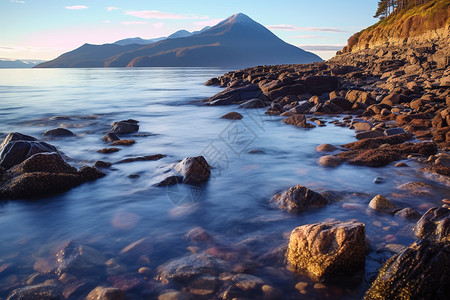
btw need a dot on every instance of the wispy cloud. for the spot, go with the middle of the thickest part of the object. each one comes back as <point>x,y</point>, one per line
<point>158,25</point>
<point>211,22</point>
<point>297,28</point>
<point>154,14</point>
<point>107,21</point>
<point>17,1</point>
<point>335,47</point>
<point>307,36</point>
<point>77,7</point>
<point>134,23</point>
<point>111,8</point>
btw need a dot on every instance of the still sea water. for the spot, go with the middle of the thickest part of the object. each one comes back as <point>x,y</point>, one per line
<point>252,159</point>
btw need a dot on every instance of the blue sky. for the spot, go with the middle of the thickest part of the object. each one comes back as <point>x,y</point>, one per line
<point>44,29</point>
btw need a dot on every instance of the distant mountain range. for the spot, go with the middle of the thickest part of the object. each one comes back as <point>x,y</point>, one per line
<point>16,64</point>
<point>236,42</point>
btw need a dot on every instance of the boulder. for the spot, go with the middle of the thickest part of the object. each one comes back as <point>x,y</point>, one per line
<point>408,213</point>
<point>326,148</point>
<point>58,132</point>
<point>125,127</point>
<point>370,134</point>
<point>188,267</point>
<point>298,198</point>
<point>434,225</point>
<point>15,136</point>
<point>37,292</point>
<point>16,151</point>
<point>394,131</point>
<point>232,116</point>
<point>77,260</point>
<point>295,89</point>
<point>318,85</point>
<point>170,179</point>
<point>298,120</point>
<point>421,271</point>
<point>253,103</point>
<point>381,204</point>
<point>363,126</point>
<point>110,137</point>
<point>328,250</point>
<point>330,161</point>
<point>236,94</point>
<point>44,162</point>
<point>195,170</point>
<point>106,293</point>
<point>301,108</point>
<point>373,143</point>
<point>343,103</point>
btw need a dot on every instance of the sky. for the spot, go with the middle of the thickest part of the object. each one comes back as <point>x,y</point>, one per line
<point>45,29</point>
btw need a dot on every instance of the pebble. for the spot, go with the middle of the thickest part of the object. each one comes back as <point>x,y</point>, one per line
<point>320,286</point>
<point>380,204</point>
<point>301,285</point>
<point>145,271</point>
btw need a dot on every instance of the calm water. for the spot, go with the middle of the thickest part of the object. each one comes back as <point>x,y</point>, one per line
<point>233,206</point>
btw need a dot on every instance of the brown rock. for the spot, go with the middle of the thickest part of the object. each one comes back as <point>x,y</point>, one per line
<point>194,169</point>
<point>298,198</point>
<point>330,161</point>
<point>106,293</point>
<point>232,116</point>
<point>298,120</point>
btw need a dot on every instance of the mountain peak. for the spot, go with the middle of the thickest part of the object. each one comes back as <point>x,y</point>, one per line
<point>238,18</point>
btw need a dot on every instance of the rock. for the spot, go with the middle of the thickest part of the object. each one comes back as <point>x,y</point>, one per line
<point>298,198</point>
<point>77,259</point>
<point>363,126</point>
<point>373,143</point>
<point>368,134</point>
<point>58,132</point>
<point>203,285</point>
<point>106,293</point>
<point>108,150</point>
<point>328,250</point>
<point>173,295</point>
<point>408,214</point>
<point>326,148</point>
<point>394,131</point>
<point>302,108</point>
<point>421,271</point>
<point>141,158</point>
<point>318,85</point>
<point>247,282</point>
<point>198,234</point>
<point>44,162</point>
<point>212,81</point>
<point>330,161</point>
<point>17,151</point>
<point>110,137</point>
<point>253,103</point>
<point>271,293</point>
<point>232,116</point>
<point>401,165</point>
<point>170,179</point>
<point>298,120</point>
<point>15,136</point>
<point>378,180</point>
<point>195,170</point>
<point>295,89</point>
<point>381,204</point>
<point>343,103</point>
<point>123,143</point>
<point>37,292</point>
<point>102,164</point>
<point>188,267</point>
<point>136,249</point>
<point>434,225</point>
<point>124,127</point>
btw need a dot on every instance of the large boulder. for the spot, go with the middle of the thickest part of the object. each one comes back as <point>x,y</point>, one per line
<point>421,271</point>
<point>14,150</point>
<point>328,250</point>
<point>124,127</point>
<point>318,85</point>
<point>195,170</point>
<point>434,225</point>
<point>298,120</point>
<point>58,132</point>
<point>236,95</point>
<point>298,198</point>
<point>44,162</point>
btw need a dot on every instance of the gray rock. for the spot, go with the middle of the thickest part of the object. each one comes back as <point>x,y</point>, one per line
<point>124,127</point>
<point>58,132</point>
<point>327,250</point>
<point>434,225</point>
<point>110,137</point>
<point>408,214</point>
<point>298,198</point>
<point>77,259</point>
<point>16,151</point>
<point>195,170</point>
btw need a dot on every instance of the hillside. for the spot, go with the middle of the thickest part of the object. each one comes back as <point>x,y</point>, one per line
<point>416,24</point>
<point>235,42</point>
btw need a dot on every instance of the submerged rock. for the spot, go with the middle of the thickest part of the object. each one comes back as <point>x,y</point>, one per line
<point>37,292</point>
<point>110,137</point>
<point>380,203</point>
<point>298,198</point>
<point>421,271</point>
<point>328,250</point>
<point>330,161</point>
<point>106,293</point>
<point>195,170</point>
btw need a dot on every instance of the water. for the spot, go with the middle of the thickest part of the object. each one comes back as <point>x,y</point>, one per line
<point>252,159</point>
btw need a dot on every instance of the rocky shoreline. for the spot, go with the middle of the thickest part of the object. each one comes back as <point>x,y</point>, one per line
<point>396,100</point>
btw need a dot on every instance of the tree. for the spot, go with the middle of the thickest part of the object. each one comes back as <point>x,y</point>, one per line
<point>382,11</point>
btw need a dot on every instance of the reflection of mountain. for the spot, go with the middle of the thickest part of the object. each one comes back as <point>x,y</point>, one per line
<point>15,64</point>
<point>235,42</point>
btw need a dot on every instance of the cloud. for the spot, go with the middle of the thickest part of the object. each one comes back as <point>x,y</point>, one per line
<point>154,14</point>
<point>134,23</point>
<point>307,36</point>
<point>319,48</point>
<point>111,8</point>
<point>17,1</point>
<point>211,22</point>
<point>107,21</point>
<point>158,25</point>
<point>297,28</point>
<point>77,7</point>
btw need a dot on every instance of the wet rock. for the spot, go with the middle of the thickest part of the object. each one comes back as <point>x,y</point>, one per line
<point>380,203</point>
<point>134,250</point>
<point>212,81</point>
<point>203,285</point>
<point>102,164</point>
<point>58,132</point>
<point>188,267</point>
<point>298,120</point>
<point>127,282</point>
<point>330,161</point>
<point>77,259</point>
<point>247,282</point>
<point>363,126</point>
<point>302,108</point>
<point>327,250</point>
<point>298,198</point>
<point>124,127</point>
<point>253,103</point>
<point>170,179</point>
<point>173,295</point>
<point>37,292</point>
<point>106,293</point>
<point>368,134</point>
<point>421,271</point>
<point>141,158</point>
<point>377,142</point>
<point>124,143</point>
<point>110,137</point>
<point>318,85</point>
<point>108,150</point>
<point>16,151</point>
<point>408,214</point>
<point>434,225</point>
<point>199,234</point>
<point>394,131</point>
<point>195,170</point>
<point>232,116</point>
<point>326,148</point>
<point>271,293</point>
<point>44,162</point>
<point>90,173</point>
<point>401,165</point>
